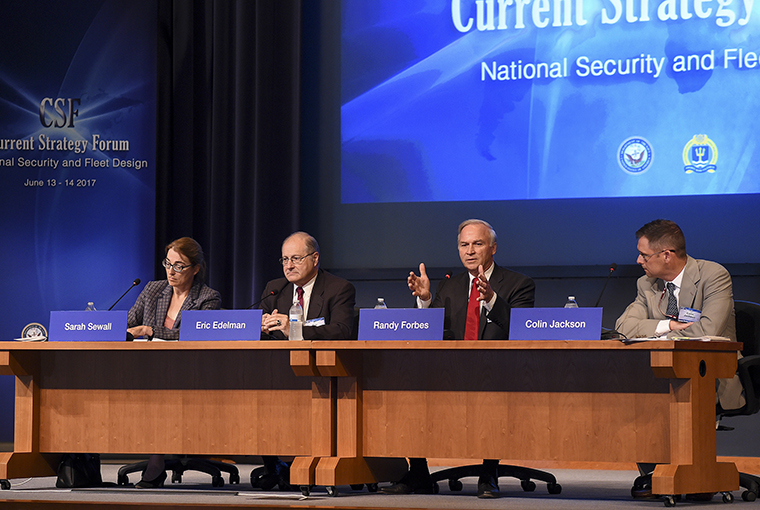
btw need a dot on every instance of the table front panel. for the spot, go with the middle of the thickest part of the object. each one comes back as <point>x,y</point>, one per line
<point>537,405</point>
<point>183,402</point>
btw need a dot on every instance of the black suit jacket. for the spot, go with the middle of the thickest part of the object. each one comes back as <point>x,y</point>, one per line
<point>513,290</point>
<point>331,298</point>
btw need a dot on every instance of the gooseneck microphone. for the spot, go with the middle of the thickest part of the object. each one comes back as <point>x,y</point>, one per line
<point>272,292</point>
<point>613,266</point>
<point>447,333</point>
<point>134,284</point>
<point>609,334</point>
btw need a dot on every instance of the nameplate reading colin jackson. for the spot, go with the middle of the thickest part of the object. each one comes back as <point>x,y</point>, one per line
<point>555,324</point>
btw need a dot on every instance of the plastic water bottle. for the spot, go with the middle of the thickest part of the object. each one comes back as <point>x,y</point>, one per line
<point>571,302</point>
<point>380,303</point>
<point>90,307</point>
<point>296,322</point>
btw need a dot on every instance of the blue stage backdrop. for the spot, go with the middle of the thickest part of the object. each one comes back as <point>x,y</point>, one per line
<point>77,158</point>
<point>548,99</point>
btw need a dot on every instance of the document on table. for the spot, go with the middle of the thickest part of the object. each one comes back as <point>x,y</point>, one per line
<point>677,339</point>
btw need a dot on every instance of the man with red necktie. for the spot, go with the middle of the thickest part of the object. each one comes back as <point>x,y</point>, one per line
<point>328,308</point>
<point>327,300</point>
<point>477,306</point>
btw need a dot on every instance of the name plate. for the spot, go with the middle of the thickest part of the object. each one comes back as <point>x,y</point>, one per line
<point>401,324</point>
<point>88,326</point>
<point>555,324</point>
<point>220,325</point>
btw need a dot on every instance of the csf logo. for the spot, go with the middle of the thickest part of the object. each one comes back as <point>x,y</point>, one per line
<point>59,112</point>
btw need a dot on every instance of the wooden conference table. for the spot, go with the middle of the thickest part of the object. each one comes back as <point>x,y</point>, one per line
<point>349,412</point>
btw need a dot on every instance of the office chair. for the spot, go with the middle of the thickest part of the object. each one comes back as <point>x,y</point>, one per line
<point>523,474</point>
<point>274,472</point>
<point>747,332</point>
<point>181,464</point>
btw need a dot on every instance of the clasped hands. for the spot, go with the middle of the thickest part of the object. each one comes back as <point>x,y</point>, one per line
<point>275,322</point>
<point>420,285</point>
<point>679,326</point>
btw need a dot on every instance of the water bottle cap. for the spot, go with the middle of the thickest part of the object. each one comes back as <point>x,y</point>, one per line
<point>571,298</point>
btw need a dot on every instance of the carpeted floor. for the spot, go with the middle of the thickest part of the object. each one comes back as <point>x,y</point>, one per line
<point>581,489</point>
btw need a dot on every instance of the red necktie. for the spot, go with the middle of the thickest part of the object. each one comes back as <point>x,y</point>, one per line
<point>472,324</point>
<point>299,291</point>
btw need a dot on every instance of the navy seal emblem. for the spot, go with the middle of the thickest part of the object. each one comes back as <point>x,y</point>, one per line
<point>635,155</point>
<point>33,331</point>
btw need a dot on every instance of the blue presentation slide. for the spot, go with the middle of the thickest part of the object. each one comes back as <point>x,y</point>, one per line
<point>464,100</point>
<point>77,155</point>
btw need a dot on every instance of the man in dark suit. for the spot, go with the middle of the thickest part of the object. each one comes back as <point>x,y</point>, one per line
<point>477,306</point>
<point>328,301</point>
<point>328,305</point>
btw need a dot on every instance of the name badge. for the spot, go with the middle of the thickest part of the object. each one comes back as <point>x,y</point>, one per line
<point>88,326</point>
<point>689,315</point>
<point>555,324</point>
<point>401,324</point>
<point>220,325</point>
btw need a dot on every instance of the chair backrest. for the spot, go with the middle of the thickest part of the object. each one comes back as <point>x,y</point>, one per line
<point>748,332</point>
<point>748,326</point>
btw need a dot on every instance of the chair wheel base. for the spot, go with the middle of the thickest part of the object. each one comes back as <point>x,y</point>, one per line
<point>524,474</point>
